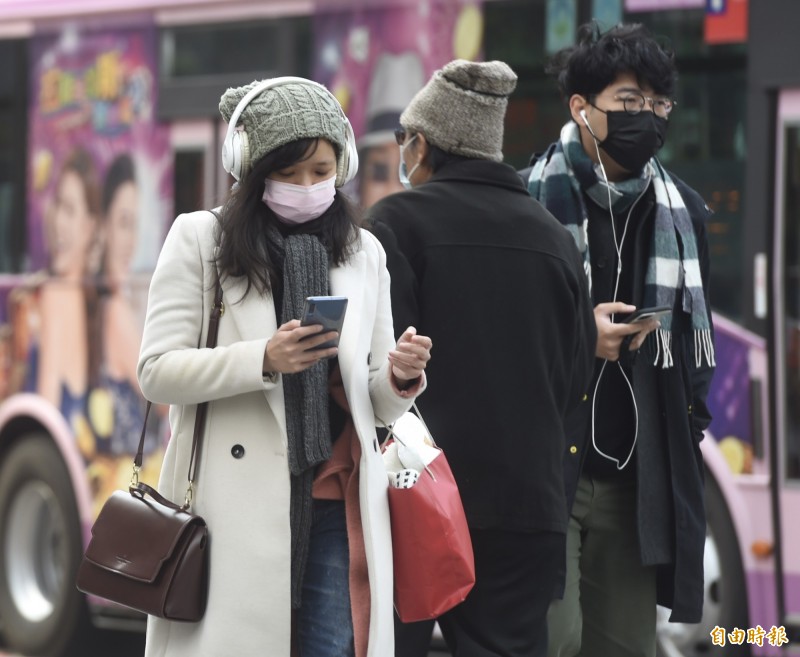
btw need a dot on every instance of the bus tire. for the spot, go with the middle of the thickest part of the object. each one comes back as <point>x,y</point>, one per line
<point>725,591</point>
<point>41,611</point>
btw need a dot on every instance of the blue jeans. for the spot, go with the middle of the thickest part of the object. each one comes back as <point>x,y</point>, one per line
<point>325,623</point>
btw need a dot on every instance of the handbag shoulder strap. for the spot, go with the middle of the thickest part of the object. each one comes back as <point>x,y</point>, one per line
<point>202,409</point>
<point>217,311</point>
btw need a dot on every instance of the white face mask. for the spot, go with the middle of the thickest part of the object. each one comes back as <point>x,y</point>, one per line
<point>405,176</point>
<point>298,204</point>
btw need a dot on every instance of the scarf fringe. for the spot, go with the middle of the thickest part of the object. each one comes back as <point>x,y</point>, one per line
<point>663,338</point>
<point>704,347</point>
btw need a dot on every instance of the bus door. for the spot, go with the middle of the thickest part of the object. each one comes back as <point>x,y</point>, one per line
<point>200,183</point>
<point>786,336</point>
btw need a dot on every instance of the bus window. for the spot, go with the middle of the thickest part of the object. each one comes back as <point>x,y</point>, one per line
<point>189,181</point>
<point>13,127</point>
<point>197,169</point>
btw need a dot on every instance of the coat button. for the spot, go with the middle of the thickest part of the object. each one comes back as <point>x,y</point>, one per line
<point>369,358</point>
<point>573,449</point>
<point>237,451</point>
<point>375,445</point>
<point>585,397</point>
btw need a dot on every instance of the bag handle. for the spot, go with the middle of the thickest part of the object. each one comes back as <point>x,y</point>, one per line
<point>391,434</point>
<point>141,489</point>
<point>136,487</point>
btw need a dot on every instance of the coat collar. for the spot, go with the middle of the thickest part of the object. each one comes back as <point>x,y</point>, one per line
<point>479,172</point>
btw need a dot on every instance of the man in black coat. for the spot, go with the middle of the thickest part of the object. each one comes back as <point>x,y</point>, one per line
<point>637,524</point>
<point>499,286</point>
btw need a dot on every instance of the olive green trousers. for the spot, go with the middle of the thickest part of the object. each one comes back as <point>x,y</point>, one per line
<point>609,604</point>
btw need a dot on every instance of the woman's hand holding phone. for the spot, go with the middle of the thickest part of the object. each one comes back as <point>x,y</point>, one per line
<point>610,334</point>
<point>298,344</point>
<point>294,348</point>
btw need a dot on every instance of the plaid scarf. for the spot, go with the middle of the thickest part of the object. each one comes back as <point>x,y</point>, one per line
<point>565,172</point>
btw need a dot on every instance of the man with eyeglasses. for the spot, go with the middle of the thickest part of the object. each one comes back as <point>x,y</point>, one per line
<point>499,286</point>
<point>633,468</point>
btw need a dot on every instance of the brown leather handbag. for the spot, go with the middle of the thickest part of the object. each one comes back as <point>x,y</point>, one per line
<point>147,553</point>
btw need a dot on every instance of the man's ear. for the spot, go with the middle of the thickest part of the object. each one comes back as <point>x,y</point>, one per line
<point>578,104</point>
<point>423,147</point>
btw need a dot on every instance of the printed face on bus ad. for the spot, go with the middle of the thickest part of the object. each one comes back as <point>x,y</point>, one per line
<point>121,231</point>
<point>72,229</point>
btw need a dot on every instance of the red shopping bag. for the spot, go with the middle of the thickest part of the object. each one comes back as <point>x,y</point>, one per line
<point>434,567</point>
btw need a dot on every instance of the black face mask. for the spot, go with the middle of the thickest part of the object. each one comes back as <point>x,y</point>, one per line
<point>634,138</point>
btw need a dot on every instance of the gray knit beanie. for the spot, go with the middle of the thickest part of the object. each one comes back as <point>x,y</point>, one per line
<point>285,113</point>
<point>462,108</point>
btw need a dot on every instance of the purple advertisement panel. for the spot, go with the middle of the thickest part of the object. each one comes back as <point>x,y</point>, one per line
<point>93,100</point>
<point>730,401</point>
<point>99,179</point>
<point>375,59</point>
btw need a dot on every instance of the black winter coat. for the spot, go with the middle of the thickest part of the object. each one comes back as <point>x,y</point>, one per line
<point>498,284</point>
<point>672,417</point>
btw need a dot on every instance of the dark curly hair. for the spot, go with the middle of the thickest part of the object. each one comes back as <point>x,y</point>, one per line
<point>598,59</point>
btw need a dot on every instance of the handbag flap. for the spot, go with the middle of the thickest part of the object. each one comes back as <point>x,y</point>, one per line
<point>134,536</point>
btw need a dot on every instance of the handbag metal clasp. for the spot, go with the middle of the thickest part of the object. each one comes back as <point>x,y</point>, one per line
<point>187,501</point>
<point>135,475</point>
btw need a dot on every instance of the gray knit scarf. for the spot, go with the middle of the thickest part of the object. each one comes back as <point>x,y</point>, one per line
<point>304,261</point>
<point>558,179</point>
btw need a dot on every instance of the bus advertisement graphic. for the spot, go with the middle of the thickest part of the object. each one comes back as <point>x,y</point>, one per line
<point>375,60</point>
<point>99,190</point>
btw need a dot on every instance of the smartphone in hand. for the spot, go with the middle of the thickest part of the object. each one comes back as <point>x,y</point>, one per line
<point>643,314</point>
<point>327,311</point>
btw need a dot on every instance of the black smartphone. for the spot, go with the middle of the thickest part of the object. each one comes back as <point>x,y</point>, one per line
<point>327,311</point>
<point>642,314</point>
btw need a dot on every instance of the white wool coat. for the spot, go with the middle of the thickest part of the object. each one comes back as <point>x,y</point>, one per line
<point>245,500</point>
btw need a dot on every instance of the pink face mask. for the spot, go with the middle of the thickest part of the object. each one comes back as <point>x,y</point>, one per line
<point>297,204</point>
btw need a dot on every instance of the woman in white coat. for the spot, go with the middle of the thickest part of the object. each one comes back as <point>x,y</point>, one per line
<point>290,479</point>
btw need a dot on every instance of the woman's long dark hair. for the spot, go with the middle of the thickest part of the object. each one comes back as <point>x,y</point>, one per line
<point>243,246</point>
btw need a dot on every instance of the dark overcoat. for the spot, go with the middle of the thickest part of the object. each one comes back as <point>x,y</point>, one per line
<point>673,414</point>
<point>498,284</point>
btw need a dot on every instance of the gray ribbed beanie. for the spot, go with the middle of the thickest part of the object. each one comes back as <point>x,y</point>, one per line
<point>285,113</point>
<point>462,108</point>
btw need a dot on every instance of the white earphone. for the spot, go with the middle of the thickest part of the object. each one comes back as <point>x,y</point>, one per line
<point>618,247</point>
<point>236,147</point>
<point>586,121</point>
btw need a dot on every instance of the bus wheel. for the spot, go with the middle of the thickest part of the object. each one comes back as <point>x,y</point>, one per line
<point>41,611</point>
<point>725,593</point>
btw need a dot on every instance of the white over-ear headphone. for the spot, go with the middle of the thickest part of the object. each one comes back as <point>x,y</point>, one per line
<point>236,147</point>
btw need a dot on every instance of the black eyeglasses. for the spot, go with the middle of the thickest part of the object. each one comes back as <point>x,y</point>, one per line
<point>634,102</point>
